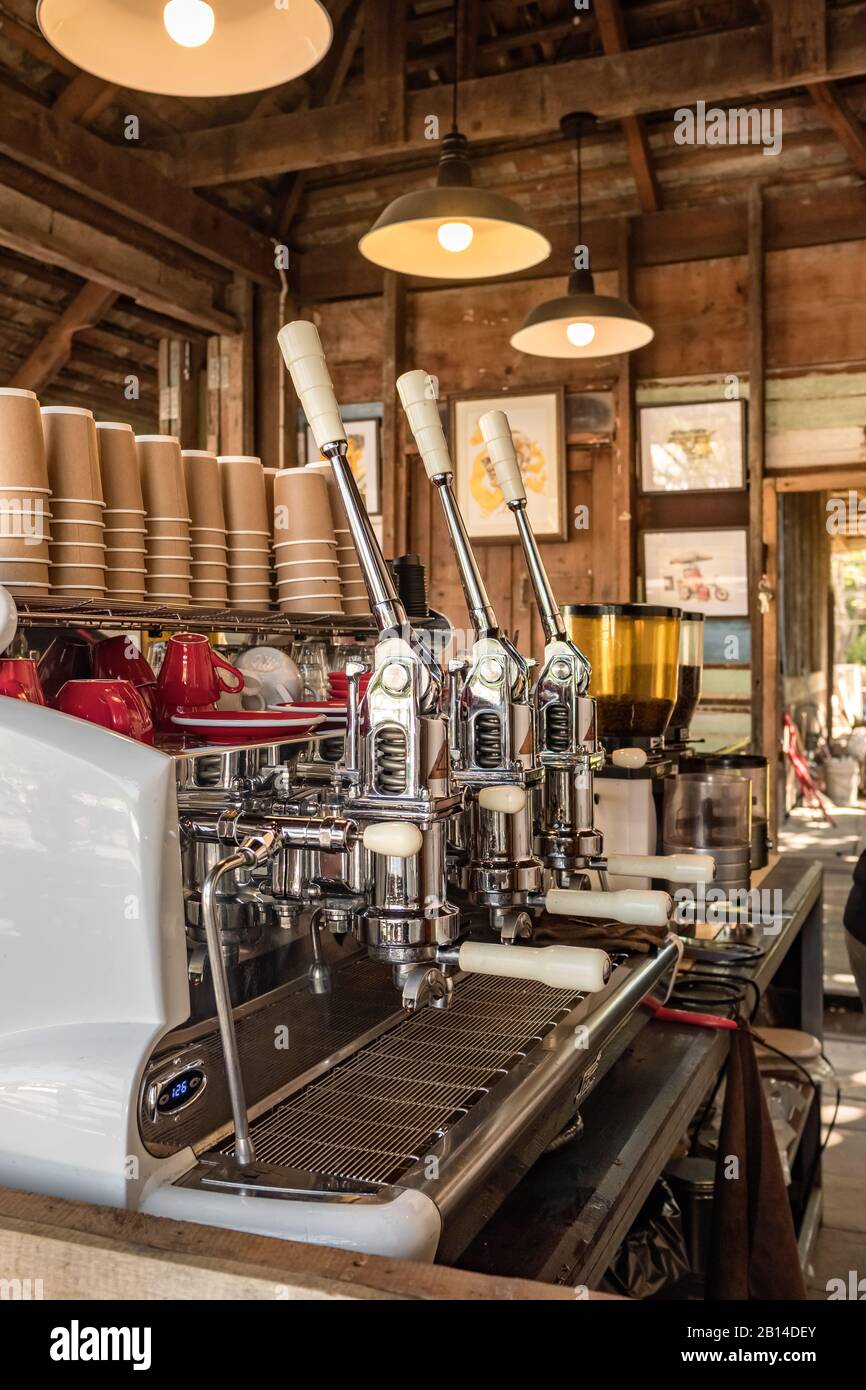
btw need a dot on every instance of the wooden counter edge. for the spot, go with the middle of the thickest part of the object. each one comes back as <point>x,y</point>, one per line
<point>81,1251</point>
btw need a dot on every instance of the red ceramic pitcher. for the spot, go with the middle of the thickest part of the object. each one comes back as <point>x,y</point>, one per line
<point>19,678</point>
<point>191,674</point>
<point>114,704</point>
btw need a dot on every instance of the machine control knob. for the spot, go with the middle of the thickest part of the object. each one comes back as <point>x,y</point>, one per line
<point>395,678</point>
<point>629,757</point>
<point>490,670</point>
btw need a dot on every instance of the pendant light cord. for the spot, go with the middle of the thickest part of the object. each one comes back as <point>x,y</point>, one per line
<point>456,66</point>
<point>579,183</point>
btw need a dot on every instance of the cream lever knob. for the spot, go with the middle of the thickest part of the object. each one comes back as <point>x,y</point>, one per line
<point>302,352</point>
<point>503,455</point>
<point>422,412</point>
<point>635,907</point>
<point>562,967</point>
<point>397,839</point>
<point>676,868</point>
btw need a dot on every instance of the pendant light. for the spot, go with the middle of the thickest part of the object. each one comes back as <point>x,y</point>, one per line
<point>454,231</point>
<point>581,323</point>
<point>189,48</point>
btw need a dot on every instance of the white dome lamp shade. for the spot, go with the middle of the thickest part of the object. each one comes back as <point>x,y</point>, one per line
<point>189,48</point>
<point>581,323</point>
<point>454,231</point>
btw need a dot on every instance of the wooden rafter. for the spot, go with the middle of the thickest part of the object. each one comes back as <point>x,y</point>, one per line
<point>54,350</point>
<point>350,29</point>
<point>127,182</point>
<point>385,73</point>
<point>842,120</point>
<point>611,28</point>
<point>731,65</point>
<point>34,229</point>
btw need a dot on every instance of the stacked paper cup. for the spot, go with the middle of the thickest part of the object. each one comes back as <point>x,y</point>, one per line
<point>248,531</point>
<point>78,565</point>
<point>208,529</point>
<point>124,511</point>
<point>354,589</point>
<point>168,553</point>
<point>308,576</point>
<point>270,481</point>
<point>24,496</point>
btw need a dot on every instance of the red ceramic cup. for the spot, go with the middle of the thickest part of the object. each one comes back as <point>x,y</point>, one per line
<point>115,704</point>
<point>20,674</point>
<point>118,658</point>
<point>191,673</point>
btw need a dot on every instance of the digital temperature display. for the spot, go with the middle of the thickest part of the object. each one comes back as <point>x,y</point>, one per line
<point>180,1090</point>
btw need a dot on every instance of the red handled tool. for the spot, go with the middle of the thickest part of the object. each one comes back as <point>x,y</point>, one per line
<point>661,1011</point>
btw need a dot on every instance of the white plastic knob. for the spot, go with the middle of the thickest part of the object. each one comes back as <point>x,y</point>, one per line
<point>581,968</point>
<point>8,619</point>
<point>635,907</point>
<point>422,412</point>
<point>396,839</point>
<point>503,455</point>
<point>302,352</point>
<point>629,757</point>
<point>676,868</point>
<point>507,800</point>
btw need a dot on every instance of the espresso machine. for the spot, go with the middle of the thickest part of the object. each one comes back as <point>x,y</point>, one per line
<point>241,994</point>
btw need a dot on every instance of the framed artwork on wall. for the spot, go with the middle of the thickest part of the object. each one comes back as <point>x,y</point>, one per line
<point>695,447</point>
<point>364,459</point>
<point>699,571</point>
<point>538,424</point>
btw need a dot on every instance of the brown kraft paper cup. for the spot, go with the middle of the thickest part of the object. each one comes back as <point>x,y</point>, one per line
<point>118,465</point>
<point>81,531</point>
<point>125,582</point>
<point>338,511</point>
<point>163,485</point>
<point>244,493</point>
<point>63,510</point>
<point>168,565</point>
<point>21,547</point>
<point>73,553</point>
<point>166,549</point>
<point>204,489</point>
<point>22,444</point>
<point>165,530</point>
<point>306,550</point>
<point>89,574</point>
<point>72,453</point>
<point>324,604</point>
<point>302,510</point>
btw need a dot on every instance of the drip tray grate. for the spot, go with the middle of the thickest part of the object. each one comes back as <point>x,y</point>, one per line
<point>376,1114</point>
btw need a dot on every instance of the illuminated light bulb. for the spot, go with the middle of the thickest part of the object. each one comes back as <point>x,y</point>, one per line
<point>189,22</point>
<point>455,236</point>
<point>580,334</point>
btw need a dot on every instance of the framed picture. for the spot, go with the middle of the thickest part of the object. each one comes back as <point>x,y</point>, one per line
<point>363,437</point>
<point>537,423</point>
<point>700,571</point>
<point>693,448</point>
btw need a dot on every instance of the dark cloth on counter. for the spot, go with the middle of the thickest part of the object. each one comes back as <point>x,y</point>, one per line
<point>753,1249</point>
<point>607,936</point>
<point>855,908</point>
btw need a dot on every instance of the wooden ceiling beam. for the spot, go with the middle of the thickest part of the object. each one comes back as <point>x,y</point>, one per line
<point>385,73</point>
<point>55,349</point>
<point>843,121</point>
<point>36,230</point>
<point>84,99</point>
<point>124,179</point>
<point>611,29</point>
<point>529,102</point>
<point>349,35</point>
<point>661,238</point>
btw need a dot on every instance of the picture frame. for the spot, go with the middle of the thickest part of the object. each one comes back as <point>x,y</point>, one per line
<point>537,419</point>
<point>701,571</point>
<point>693,446</point>
<point>364,459</point>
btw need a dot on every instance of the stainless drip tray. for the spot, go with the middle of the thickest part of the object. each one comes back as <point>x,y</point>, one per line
<point>376,1115</point>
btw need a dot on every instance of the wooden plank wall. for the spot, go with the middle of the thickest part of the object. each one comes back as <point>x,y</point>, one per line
<point>700,312</point>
